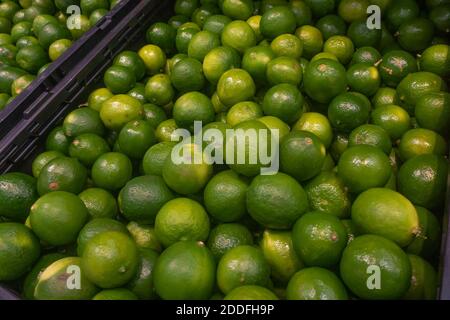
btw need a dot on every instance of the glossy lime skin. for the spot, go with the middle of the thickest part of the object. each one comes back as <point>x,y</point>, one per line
<point>348,111</point>
<point>315,284</point>
<point>285,102</point>
<point>297,150</point>
<point>319,239</point>
<point>370,250</point>
<point>324,73</point>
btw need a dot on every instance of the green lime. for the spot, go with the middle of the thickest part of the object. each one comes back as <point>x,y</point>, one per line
<point>154,114</point>
<point>119,110</point>
<point>364,78</point>
<point>97,97</point>
<point>348,111</point>
<point>192,107</point>
<point>234,86</point>
<point>277,21</point>
<point>302,12</point>
<point>319,239</point>
<point>363,167</point>
<point>238,9</point>
<point>119,79</point>
<point>216,23</point>
<point>317,124</point>
<point>115,294</point>
<point>331,25</point>
<point>436,59</point>
<point>416,34</point>
<point>81,121</point>
<point>31,58</point>
<point>58,217</point>
<point>51,32</point>
<point>202,43</point>
<point>256,60</point>
<point>5,25</point>
<point>373,135</point>
<point>255,22</point>
<point>244,111</point>
<point>386,213</point>
<point>239,36</point>
<point>183,38</point>
<point>302,155</point>
<point>250,292</point>
<point>362,35</point>
<point>440,16</point>
<point>324,73</point>
<point>284,101</point>
<point>42,159</point>
<point>20,30</point>
<point>287,45</point>
<point>341,46</point>
<point>368,55</point>
<point>421,141</point>
<point>154,58</point>
<point>142,283</point>
<point>427,242</point>
<point>315,284</point>
<point>224,196</point>
<point>96,227</point>
<point>423,180</point>
<point>135,138</point>
<point>32,278</point>
<point>62,174</point>
<point>274,123</point>
<point>87,148</point>
<point>352,10</point>
<point>7,76</point>
<point>284,70</point>
<point>97,15</point>
<point>279,252</point>
<point>162,35</point>
<point>328,194</point>
<point>394,119</point>
<point>187,75</point>
<point>142,198</point>
<point>20,250</point>
<point>219,60</point>
<point>26,41</point>
<point>202,13</point>
<point>21,84</point>
<point>186,7</point>
<point>276,201</point>
<point>58,141</point>
<point>17,194</point>
<point>5,38</point>
<point>240,266</point>
<point>155,157</point>
<point>374,267</point>
<point>395,66</point>
<point>58,47</point>
<point>111,171</point>
<point>227,236</point>
<point>324,55</point>
<point>401,11</point>
<point>186,270</point>
<point>53,281</point>
<point>433,111</point>
<point>144,236</point>
<point>99,203</point>
<point>423,280</point>
<point>110,259</point>
<point>88,6</point>
<point>385,96</point>
<point>138,92</point>
<point>165,129</point>
<point>415,85</point>
<point>131,60</point>
<point>181,219</point>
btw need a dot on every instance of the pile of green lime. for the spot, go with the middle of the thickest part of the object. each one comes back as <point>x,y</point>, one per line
<point>34,33</point>
<point>360,117</point>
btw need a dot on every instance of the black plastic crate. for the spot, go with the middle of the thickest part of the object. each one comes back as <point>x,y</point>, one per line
<point>67,84</point>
